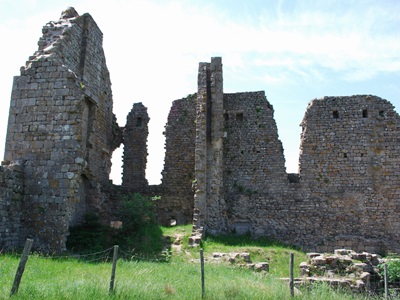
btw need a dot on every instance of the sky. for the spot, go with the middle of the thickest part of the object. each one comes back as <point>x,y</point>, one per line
<point>294,50</point>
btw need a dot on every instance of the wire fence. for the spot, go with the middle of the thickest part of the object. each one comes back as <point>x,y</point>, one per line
<point>389,288</point>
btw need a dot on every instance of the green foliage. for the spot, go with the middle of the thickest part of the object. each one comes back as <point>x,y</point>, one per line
<point>393,269</point>
<point>137,212</point>
<point>191,96</point>
<point>88,237</point>
<point>139,232</point>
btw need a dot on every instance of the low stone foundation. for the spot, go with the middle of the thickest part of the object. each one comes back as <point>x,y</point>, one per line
<point>345,268</point>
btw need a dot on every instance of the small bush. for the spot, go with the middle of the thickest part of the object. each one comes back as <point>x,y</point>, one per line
<point>137,212</point>
<point>393,271</point>
<point>139,233</point>
<point>88,237</point>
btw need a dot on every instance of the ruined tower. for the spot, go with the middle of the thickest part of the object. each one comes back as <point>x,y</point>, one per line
<point>209,200</point>
<point>135,148</point>
<point>61,128</point>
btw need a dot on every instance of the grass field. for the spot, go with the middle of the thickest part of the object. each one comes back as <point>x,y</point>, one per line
<point>178,278</point>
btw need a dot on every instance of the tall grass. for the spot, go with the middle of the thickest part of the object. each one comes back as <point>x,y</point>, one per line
<point>53,278</point>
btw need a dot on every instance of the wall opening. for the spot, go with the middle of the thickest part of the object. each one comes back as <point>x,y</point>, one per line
<point>239,117</point>
<point>365,113</point>
<point>335,114</point>
<point>116,165</point>
<point>80,208</point>
<point>172,221</point>
<point>138,122</point>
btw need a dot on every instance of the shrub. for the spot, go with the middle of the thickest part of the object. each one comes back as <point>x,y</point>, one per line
<point>139,233</point>
<point>393,271</point>
<point>89,236</point>
<point>137,212</point>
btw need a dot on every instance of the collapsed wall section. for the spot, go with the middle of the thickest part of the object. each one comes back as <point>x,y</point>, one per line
<point>176,204</point>
<point>62,129</point>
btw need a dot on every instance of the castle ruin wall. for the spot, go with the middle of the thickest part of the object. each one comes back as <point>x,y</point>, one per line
<point>224,163</point>
<point>11,206</point>
<point>61,128</point>
<point>176,203</point>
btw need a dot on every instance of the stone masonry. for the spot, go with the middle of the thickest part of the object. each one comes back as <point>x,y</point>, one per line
<point>60,129</point>
<point>135,148</point>
<point>178,173</point>
<point>345,195</point>
<point>224,163</point>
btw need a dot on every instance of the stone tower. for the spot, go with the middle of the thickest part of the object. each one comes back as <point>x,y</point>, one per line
<point>209,200</point>
<point>61,128</point>
<point>135,148</point>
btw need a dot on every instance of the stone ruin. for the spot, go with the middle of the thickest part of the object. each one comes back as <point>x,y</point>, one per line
<point>224,165</point>
<point>347,269</point>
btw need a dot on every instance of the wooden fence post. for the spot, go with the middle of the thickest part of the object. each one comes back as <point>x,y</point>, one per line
<point>114,267</point>
<point>202,272</point>
<point>386,281</point>
<point>291,278</point>
<point>21,266</point>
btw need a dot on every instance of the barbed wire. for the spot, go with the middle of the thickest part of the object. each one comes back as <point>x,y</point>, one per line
<point>163,257</point>
<point>103,255</point>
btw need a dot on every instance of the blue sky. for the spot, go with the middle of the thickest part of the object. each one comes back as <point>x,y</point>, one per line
<point>293,50</point>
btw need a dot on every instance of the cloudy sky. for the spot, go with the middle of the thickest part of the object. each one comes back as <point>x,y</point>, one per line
<point>293,50</point>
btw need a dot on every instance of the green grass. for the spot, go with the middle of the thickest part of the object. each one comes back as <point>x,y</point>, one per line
<point>179,278</point>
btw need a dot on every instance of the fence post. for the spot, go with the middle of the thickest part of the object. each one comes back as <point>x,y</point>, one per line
<point>202,272</point>
<point>114,267</point>
<point>291,276</point>
<point>386,281</point>
<point>21,266</point>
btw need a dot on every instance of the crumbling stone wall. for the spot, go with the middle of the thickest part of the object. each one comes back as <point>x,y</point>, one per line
<point>350,159</point>
<point>11,205</point>
<point>254,162</point>
<point>135,148</point>
<point>346,194</point>
<point>61,127</point>
<point>178,173</point>
<point>222,148</point>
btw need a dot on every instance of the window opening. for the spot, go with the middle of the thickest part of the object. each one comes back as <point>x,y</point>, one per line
<point>335,114</point>
<point>239,117</point>
<point>116,166</point>
<point>138,122</point>
<point>365,113</point>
